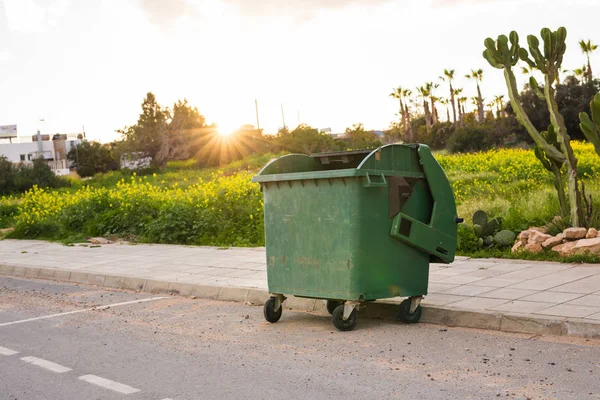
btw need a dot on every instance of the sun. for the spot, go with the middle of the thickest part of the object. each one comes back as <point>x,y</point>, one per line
<point>223,132</point>
<point>226,129</point>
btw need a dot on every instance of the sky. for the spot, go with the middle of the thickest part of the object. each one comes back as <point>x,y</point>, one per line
<point>331,63</point>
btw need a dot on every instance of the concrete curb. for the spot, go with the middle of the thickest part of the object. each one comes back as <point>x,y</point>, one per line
<point>505,322</point>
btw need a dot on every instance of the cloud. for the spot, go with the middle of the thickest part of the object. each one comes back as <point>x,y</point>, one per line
<point>165,13</point>
<point>296,8</point>
<point>450,3</point>
<point>24,16</point>
<point>27,16</point>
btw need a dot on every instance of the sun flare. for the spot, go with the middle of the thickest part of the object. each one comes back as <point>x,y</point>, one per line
<point>226,129</point>
<point>225,132</point>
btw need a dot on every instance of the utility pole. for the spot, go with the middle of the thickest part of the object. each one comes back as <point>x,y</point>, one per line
<point>283,116</point>
<point>298,117</point>
<point>257,121</point>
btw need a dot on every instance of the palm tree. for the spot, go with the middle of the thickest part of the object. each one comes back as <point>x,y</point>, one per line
<point>499,102</point>
<point>457,92</point>
<point>436,116</point>
<point>582,73</point>
<point>444,101</point>
<point>406,93</point>
<point>588,48</point>
<point>449,75</point>
<point>477,75</point>
<point>425,93</point>
<point>491,104</point>
<point>397,93</point>
<point>430,86</point>
<point>461,101</point>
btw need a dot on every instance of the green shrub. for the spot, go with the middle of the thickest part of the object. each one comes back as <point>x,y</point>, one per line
<point>8,209</point>
<point>19,177</point>
<point>182,164</point>
<point>91,158</point>
<point>468,139</point>
<point>467,240</point>
<point>7,176</point>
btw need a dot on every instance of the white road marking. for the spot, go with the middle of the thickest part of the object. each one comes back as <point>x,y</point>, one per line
<point>84,310</point>
<point>50,366</point>
<point>7,352</point>
<point>108,384</point>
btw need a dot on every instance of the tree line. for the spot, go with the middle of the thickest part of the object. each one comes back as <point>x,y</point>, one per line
<point>164,134</point>
<point>476,123</point>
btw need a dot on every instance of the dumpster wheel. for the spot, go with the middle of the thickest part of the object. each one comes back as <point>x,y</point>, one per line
<point>338,319</point>
<point>404,312</point>
<point>332,304</point>
<point>271,314</point>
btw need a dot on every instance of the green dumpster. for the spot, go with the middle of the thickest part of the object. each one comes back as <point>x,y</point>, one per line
<point>353,227</point>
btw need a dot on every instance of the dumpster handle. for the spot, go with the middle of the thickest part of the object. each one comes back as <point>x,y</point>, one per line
<point>379,180</point>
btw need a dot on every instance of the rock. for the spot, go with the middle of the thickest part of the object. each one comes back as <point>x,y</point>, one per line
<point>540,229</point>
<point>518,246</point>
<point>575,233</point>
<point>6,231</point>
<point>584,246</point>
<point>99,240</point>
<point>538,237</point>
<point>524,236</point>
<point>565,248</point>
<point>591,233</point>
<point>553,241</point>
<point>533,247</point>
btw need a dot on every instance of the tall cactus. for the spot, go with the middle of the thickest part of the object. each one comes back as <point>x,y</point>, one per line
<point>501,56</point>
<point>554,167</point>
<point>591,126</point>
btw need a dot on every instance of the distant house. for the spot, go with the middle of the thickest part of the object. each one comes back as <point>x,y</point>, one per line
<point>53,149</point>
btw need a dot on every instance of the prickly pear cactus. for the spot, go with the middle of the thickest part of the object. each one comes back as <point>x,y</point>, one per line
<point>504,238</point>
<point>488,241</point>
<point>591,126</point>
<point>478,229</point>
<point>492,227</point>
<point>480,218</point>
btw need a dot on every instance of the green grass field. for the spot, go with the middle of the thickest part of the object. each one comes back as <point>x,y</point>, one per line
<point>222,207</point>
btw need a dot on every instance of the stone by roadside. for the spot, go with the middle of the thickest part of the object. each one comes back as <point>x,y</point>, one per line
<point>570,242</point>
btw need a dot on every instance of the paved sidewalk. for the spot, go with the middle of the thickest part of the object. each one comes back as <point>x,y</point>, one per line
<point>531,297</point>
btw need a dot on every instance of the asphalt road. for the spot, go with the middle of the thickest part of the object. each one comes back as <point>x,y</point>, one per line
<point>179,348</point>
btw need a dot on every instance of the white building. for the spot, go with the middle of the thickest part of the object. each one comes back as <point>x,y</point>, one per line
<point>53,149</point>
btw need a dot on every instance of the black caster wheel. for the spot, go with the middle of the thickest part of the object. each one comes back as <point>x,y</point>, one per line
<point>406,316</point>
<point>332,304</point>
<point>269,311</point>
<point>338,319</point>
